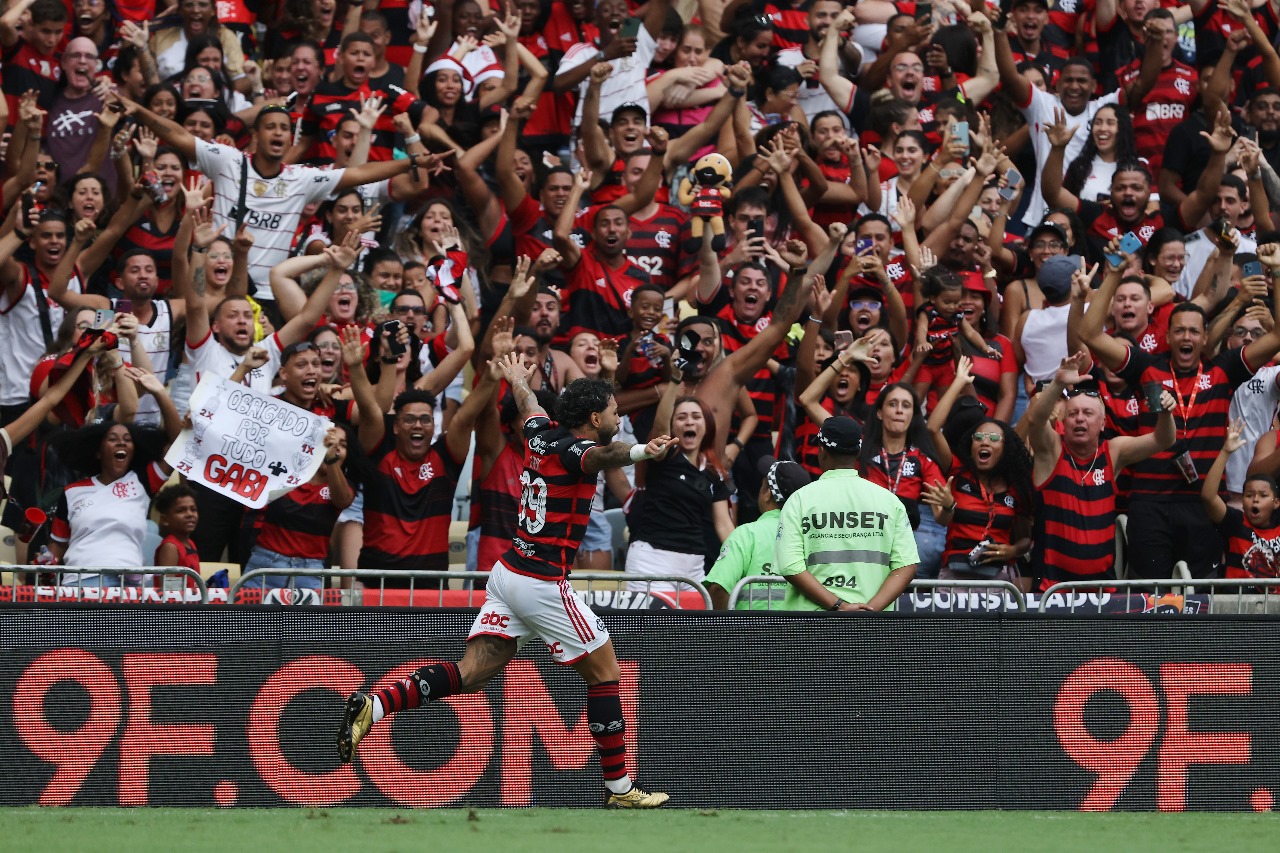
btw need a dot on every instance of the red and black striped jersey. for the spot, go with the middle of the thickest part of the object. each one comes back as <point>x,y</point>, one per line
<point>1075,536</point>
<point>407,508</point>
<point>555,501</point>
<point>734,335</point>
<point>1203,399</point>
<point>330,104</point>
<point>496,506</point>
<point>899,272</point>
<point>1252,552</point>
<point>1103,226</point>
<point>400,50</point>
<point>979,515</point>
<point>553,116</point>
<point>532,227</point>
<point>300,522</point>
<point>904,474</point>
<point>1168,103</point>
<point>656,245</point>
<point>1049,60</point>
<point>597,298</point>
<point>27,68</point>
<point>790,23</point>
<point>941,330</point>
<point>828,214</point>
<point>988,371</point>
<point>146,234</point>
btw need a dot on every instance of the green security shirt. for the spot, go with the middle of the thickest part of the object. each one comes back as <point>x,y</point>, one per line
<point>749,551</point>
<point>848,533</point>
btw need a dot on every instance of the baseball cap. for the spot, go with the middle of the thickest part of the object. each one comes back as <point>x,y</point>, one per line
<point>629,107</point>
<point>1017,3</point>
<point>841,435</point>
<point>1055,274</point>
<point>783,478</point>
<point>1053,229</point>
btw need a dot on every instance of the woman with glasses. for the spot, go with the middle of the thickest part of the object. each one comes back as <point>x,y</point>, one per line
<point>986,505</point>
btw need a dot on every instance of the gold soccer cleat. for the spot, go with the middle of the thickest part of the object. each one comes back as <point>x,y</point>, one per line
<point>357,719</point>
<point>636,799</point>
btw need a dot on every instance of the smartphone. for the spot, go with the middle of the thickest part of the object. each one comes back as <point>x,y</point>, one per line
<point>1250,133</point>
<point>103,317</point>
<point>924,10</point>
<point>1220,229</point>
<point>864,244</point>
<point>1130,244</point>
<point>1103,198</point>
<point>394,347</point>
<point>843,340</point>
<point>961,133</point>
<point>124,306</point>
<point>1251,268</point>
<point>1013,180</point>
<point>755,229</point>
<point>630,28</point>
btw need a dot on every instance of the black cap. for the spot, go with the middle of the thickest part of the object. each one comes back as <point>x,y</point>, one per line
<point>1051,228</point>
<point>1016,3</point>
<point>783,478</point>
<point>841,435</point>
<point>629,106</point>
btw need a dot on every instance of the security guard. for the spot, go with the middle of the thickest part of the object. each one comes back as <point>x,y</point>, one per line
<point>844,543</point>
<point>749,549</point>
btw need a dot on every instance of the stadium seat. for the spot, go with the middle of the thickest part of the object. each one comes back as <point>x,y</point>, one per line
<point>8,548</point>
<point>150,542</point>
<point>209,569</point>
<point>462,494</point>
<point>1122,546</point>
<point>457,544</point>
<point>617,519</point>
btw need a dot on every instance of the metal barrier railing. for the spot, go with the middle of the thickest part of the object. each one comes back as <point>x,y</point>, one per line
<point>110,583</point>
<point>1264,600</point>
<point>974,588</point>
<point>422,595</point>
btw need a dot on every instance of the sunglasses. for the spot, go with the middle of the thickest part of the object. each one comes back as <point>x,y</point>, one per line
<point>408,309</point>
<point>993,437</point>
<point>1076,392</point>
<point>294,349</point>
<point>865,305</point>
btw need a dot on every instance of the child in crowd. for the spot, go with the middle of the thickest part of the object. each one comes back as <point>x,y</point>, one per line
<point>1251,536</point>
<point>176,507</point>
<point>938,321</point>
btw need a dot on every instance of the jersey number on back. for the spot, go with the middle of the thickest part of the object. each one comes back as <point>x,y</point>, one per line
<point>533,502</point>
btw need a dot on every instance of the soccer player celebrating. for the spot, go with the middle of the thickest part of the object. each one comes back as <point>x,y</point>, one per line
<point>528,591</point>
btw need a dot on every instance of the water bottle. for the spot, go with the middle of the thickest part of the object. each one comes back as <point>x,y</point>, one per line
<point>648,348</point>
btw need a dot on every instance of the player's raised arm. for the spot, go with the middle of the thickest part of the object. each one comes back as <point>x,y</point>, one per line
<point>619,453</point>
<point>517,374</point>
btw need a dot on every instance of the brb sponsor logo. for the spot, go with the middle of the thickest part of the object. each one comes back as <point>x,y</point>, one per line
<point>148,712</point>
<point>1159,723</point>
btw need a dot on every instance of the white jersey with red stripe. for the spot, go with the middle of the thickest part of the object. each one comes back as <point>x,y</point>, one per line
<point>274,205</point>
<point>518,607</point>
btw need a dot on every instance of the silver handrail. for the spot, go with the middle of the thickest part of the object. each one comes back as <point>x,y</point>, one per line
<point>1004,586</point>
<point>1187,586</point>
<point>149,571</point>
<point>469,581</point>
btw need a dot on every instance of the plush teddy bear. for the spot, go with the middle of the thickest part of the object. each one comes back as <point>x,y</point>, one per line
<point>705,195</point>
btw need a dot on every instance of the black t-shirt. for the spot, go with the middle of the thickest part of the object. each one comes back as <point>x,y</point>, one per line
<point>1187,151</point>
<point>673,511</point>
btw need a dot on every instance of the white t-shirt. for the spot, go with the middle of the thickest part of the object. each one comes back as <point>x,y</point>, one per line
<point>104,524</point>
<point>625,84</point>
<point>1254,403</point>
<point>1199,248</point>
<point>209,356</point>
<point>1099,180</point>
<point>274,204</point>
<point>22,341</point>
<point>1039,113</point>
<point>156,338</point>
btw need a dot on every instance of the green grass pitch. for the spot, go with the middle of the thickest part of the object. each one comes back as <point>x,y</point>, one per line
<point>667,831</point>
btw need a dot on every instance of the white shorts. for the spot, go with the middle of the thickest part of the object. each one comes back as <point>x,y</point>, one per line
<point>517,607</point>
<point>644,559</point>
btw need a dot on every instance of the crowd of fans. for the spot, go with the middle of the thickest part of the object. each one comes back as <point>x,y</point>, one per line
<point>1029,246</point>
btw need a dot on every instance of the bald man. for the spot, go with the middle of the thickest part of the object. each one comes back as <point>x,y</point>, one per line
<point>72,123</point>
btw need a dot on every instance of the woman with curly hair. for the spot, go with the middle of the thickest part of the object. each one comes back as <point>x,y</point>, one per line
<point>986,505</point>
<point>1110,142</point>
<point>101,519</point>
